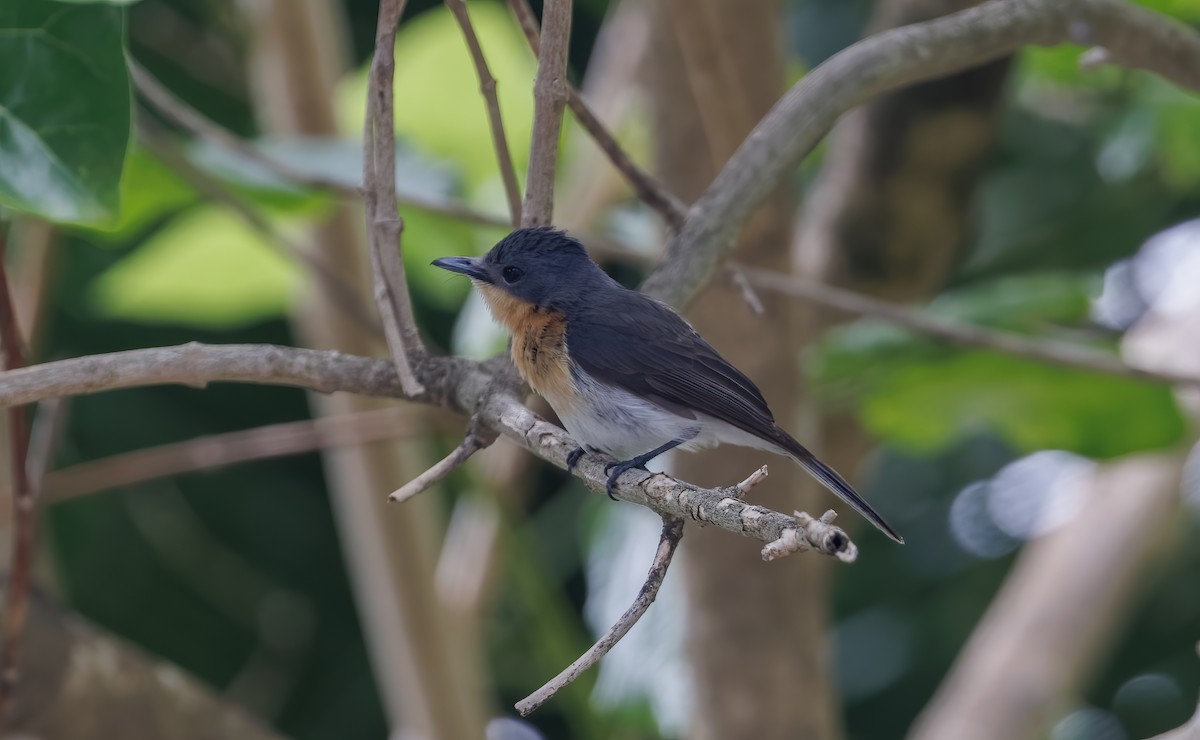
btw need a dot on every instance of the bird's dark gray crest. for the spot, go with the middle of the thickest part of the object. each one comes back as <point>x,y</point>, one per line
<point>555,268</point>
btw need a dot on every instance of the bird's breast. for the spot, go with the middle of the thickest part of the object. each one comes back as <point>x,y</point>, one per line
<point>539,346</point>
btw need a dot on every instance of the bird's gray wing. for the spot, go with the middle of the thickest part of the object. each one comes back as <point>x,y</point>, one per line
<point>640,345</point>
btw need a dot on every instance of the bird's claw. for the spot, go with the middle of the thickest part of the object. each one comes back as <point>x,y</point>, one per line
<point>618,468</point>
<point>573,459</point>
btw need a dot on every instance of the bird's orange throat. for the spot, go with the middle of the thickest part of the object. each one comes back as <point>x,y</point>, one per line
<point>539,344</point>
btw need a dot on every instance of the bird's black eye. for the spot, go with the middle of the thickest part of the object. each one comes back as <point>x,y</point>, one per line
<point>512,274</point>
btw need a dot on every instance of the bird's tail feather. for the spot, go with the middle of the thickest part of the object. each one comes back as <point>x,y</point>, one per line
<point>834,482</point>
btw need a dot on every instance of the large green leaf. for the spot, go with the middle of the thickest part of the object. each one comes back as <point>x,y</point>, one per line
<point>923,395</point>
<point>64,109</point>
<point>206,268</point>
<point>1033,406</point>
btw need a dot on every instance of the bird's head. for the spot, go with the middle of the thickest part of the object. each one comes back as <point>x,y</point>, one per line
<point>539,266</point>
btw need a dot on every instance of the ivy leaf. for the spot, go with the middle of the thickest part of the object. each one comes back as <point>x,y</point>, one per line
<point>65,109</point>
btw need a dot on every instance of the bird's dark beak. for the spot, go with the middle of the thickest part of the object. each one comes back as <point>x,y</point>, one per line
<point>472,267</point>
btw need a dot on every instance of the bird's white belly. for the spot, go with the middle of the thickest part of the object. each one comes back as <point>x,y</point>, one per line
<point>615,422</point>
<point>618,423</point>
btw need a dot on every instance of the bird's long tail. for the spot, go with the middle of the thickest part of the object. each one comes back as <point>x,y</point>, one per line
<point>834,482</point>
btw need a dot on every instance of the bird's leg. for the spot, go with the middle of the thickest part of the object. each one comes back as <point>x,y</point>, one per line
<point>620,466</point>
<point>573,458</point>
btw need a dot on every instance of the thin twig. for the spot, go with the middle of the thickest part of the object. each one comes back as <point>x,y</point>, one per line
<point>738,276</point>
<point>648,189</point>
<point>1042,350</point>
<point>487,86</point>
<point>752,480</point>
<point>477,438</point>
<point>384,225</point>
<point>16,597</point>
<point>219,450</point>
<point>339,291</point>
<point>550,97</point>
<point>668,542</point>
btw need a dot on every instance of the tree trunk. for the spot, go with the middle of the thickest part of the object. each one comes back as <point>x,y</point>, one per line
<point>756,632</point>
<point>423,658</point>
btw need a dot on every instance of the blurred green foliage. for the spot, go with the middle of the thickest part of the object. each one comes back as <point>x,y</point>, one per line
<point>237,574</point>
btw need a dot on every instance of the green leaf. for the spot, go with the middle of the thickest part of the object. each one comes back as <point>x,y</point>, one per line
<point>64,109</point>
<point>95,2</point>
<point>205,268</point>
<point>931,405</point>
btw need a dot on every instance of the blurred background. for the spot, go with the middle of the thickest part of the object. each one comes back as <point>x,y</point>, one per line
<point>1032,195</point>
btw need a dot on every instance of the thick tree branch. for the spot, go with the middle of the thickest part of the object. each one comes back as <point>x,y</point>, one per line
<point>384,225</point>
<point>550,96</point>
<point>487,86</point>
<point>1134,36</point>
<point>455,383</point>
<point>649,190</point>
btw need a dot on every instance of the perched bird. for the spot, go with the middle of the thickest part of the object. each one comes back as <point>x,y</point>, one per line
<point>626,374</point>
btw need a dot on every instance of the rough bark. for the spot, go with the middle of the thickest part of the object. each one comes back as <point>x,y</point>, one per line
<point>428,683</point>
<point>79,683</point>
<point>892,208</point>
<point>715,67</point>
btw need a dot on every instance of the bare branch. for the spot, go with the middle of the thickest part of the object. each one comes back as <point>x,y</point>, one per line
<point>1042,350</point>
<point>219,450</point>
<point>454,383</point>
<point>342,295</point>
<point>1135,37</point>
<point>16,597</point>
<point>550,96</point>
<point>384,224</point>
<point>649,190</point>
<point>672,531</point>
<point>475,440</point>
<point>487,86</point>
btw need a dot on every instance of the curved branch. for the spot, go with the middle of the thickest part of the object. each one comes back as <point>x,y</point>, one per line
<point>1134,37</point>
<point>672,532</point>
<point>455,383</point>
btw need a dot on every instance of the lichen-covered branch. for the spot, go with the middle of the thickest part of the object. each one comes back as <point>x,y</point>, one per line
<point>458,384</point>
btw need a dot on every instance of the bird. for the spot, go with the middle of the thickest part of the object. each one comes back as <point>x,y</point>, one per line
<point>626,374</point>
